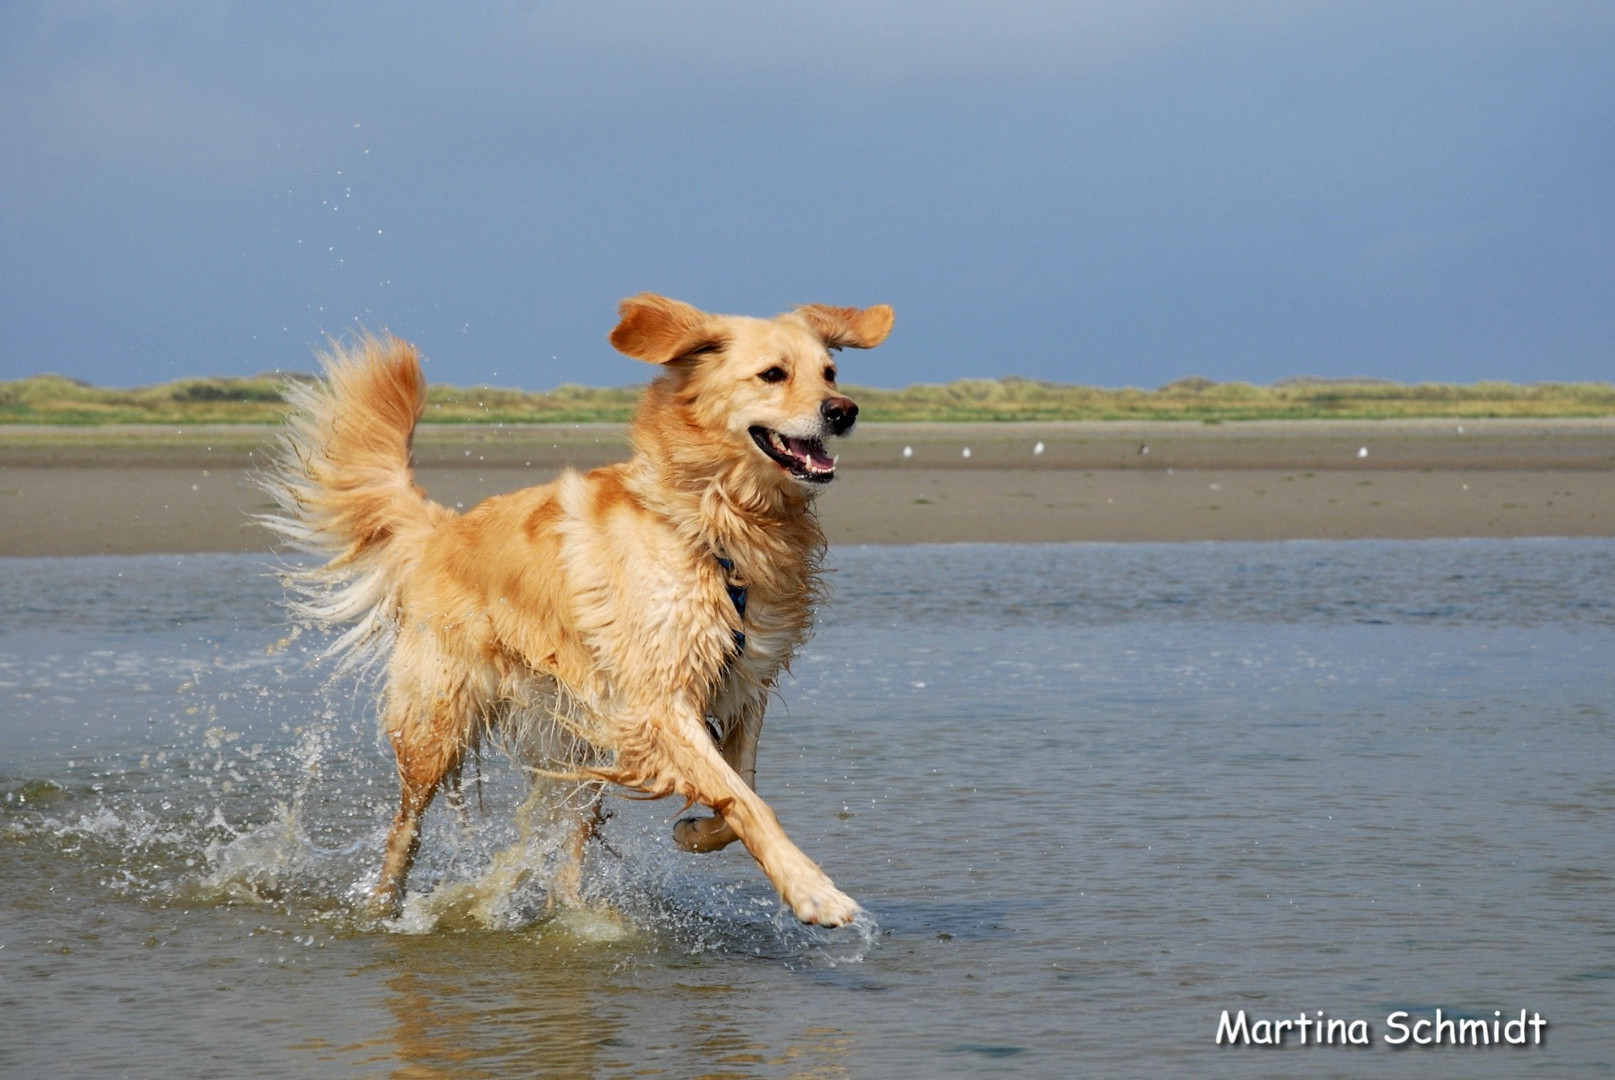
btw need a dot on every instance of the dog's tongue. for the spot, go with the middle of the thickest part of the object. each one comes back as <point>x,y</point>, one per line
<point>810,450</point>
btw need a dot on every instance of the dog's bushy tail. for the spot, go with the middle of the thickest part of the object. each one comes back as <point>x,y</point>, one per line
<point>345,488</point>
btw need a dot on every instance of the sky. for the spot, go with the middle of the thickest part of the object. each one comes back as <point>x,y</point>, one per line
<point>1103,193</point>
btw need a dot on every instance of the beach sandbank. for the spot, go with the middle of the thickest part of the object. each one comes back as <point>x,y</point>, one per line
<point>138,490</point>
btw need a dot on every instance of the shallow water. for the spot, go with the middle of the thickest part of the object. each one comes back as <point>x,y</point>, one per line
<point>1092,795</point>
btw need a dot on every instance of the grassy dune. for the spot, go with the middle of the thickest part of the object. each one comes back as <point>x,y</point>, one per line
<point>50,399</point>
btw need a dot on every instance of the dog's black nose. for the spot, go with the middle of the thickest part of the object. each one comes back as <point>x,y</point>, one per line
<point>841,412</point>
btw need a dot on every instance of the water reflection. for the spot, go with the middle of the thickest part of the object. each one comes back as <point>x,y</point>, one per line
<point>542,1003</point>
<point>490,1005</point>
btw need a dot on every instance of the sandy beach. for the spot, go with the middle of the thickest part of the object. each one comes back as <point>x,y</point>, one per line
<point>135,490</point>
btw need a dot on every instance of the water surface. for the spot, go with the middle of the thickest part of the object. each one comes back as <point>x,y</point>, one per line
<point>1092,795</point>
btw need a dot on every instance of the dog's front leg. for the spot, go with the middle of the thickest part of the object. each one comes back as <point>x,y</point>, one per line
<point>681,758</point>
<point>739,746</point>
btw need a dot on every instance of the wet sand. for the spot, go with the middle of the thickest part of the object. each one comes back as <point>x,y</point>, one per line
<point>135,490</point>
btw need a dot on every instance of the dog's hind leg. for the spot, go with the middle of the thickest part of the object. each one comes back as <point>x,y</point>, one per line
<point>583,808</point>
<point>454,799</point>
<point>424,763</point>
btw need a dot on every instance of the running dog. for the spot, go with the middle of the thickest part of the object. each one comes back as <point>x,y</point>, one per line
<point>624,626</point>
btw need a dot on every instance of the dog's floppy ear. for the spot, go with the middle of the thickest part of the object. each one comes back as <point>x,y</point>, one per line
<point>658,330</point>
<point>858,328</point>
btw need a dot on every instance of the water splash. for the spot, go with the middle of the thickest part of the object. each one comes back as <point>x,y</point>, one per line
<point>274,863</point>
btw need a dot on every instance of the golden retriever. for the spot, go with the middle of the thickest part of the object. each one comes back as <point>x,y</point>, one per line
<point>625,626</point>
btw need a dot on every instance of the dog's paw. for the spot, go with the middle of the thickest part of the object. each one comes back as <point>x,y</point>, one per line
<point>385,902</point>
<point>703,834</point>
<point>823,906</point>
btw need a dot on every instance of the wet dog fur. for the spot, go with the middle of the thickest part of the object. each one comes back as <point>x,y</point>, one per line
<point>589,625</point>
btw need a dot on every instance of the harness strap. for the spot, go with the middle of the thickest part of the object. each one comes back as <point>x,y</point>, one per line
<point>737,596</point>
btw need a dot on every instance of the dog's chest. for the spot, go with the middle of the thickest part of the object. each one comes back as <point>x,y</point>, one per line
<point>766,638</point>
<point>769,630</point>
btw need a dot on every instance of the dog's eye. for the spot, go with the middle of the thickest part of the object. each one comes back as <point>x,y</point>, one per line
<point>773,374</point>
<point>830,375</point>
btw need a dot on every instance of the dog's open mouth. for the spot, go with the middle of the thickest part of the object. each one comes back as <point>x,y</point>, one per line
<point>804,459</point>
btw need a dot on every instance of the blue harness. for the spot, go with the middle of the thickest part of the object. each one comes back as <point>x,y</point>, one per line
<point>737,596</point>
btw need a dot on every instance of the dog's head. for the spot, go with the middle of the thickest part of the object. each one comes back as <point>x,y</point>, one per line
<point>764,387</point>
